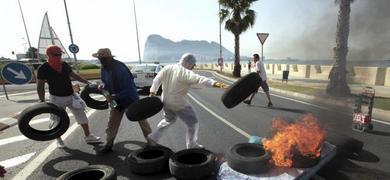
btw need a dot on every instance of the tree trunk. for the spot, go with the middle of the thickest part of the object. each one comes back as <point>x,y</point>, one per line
<point>237,65</point>
<point>338,75</point>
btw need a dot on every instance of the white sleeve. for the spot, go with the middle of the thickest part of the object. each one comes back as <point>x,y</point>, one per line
<point>192,78</point>
<point>157,81</point>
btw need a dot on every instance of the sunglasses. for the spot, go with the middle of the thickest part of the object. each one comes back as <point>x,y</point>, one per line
<point>56,55</point>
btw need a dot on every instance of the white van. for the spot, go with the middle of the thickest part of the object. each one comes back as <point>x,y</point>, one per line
<point>144,74</point>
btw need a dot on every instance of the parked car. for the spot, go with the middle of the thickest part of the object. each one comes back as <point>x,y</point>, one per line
<point>144,74</point>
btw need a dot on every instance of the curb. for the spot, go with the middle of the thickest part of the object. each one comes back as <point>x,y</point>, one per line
<point>383,115</point>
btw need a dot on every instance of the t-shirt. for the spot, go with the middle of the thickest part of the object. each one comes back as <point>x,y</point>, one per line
<point>59,82</point>
<point>260,67</point>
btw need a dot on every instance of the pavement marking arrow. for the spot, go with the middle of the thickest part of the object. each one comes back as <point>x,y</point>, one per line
<point>17,160</point>
<point>19,75</point>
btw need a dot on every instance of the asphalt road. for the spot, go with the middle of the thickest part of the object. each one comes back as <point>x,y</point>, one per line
<point>220,128</point>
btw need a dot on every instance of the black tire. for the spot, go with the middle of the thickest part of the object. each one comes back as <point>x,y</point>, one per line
<point>149,160</point>
<point>240,90</point>
<point>248,158</point>
<point>29,113</point>
<point>345,144</point>
<point>89,101</point>
<point>192,164</point>
<point>144,108</point>
<point>101,172</point>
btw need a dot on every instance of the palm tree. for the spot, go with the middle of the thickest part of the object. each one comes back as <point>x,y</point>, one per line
<point>238,18</point>
<point>338,75</point>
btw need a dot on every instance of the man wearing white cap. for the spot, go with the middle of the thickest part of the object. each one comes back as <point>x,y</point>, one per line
<point>176,80</point>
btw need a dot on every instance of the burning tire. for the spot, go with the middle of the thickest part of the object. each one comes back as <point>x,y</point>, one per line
<point>192,164</point>
<point>149,160</point>
<point>240,90</point>
<point>144,108</point>
<point>29,113</point>
<point>248,158</point>
<point>101,172</point>
<point>89,101</point>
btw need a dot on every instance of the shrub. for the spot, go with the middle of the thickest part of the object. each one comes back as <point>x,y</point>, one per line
<point>89,66</point>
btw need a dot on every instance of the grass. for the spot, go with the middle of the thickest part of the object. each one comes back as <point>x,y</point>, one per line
<point>90,71</point>
<point>379,102</point>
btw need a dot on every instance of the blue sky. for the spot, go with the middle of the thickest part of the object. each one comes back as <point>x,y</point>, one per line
<point>110,23</point>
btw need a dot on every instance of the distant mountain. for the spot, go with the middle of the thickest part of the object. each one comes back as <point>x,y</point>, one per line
<point>162,49</point>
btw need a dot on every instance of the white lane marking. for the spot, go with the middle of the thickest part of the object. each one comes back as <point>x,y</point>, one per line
<point>12,140</point>
<point>37,121</point>
<point>317,106</point>
<point>23,93</point>
<point>221,118</point>
<point>16,160</point>
<point>36,162</point>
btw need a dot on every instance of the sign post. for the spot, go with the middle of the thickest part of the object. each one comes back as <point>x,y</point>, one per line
<point>5,90</point>
<point>262,37</point>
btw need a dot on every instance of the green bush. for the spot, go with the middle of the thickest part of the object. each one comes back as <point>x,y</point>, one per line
<point>89,66</point>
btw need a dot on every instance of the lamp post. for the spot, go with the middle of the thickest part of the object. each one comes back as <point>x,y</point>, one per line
<point>25,28</point>
<point>136,31</point>
<point>71,37</point>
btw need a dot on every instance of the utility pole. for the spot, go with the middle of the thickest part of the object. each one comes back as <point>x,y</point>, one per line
<point>71,37</point>
<point>136,31</point>
<point>220,36</point>
<point>25,28</point>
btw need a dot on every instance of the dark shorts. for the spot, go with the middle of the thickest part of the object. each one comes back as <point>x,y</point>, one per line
<point>264,86</point>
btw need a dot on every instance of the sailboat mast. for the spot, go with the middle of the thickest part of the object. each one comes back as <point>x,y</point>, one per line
<point>50,30</point>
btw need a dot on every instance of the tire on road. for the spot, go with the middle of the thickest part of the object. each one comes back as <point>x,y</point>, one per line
<point>101,172</point>
<point>240,90</point>
<point>248,158</point>
<point>29,113</point>
<point>89,101</point>
<point>193,164</point>
<point>144,108</point>
<point>149,160</point>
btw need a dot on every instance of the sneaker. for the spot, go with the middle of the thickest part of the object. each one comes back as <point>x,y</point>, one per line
<point>196,145</point>
<point>60,143</point>
<point>91,139</point>
<point>104,150</point>
<point>247,102</point>
<point>270,104</point>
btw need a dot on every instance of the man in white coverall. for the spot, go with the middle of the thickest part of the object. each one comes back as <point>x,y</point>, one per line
<point>176,80</point>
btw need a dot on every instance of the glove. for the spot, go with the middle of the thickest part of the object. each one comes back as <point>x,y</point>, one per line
<point>219,85</point>
<point>151,94</point>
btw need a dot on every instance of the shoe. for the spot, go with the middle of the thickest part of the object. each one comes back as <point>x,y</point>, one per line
<point>104,150</point>
<point>196,146</point>
<point>247,102</point>
<point>270,104</point>
<point>53,123</point>
<point>91,139</point>
<point>60,143</point>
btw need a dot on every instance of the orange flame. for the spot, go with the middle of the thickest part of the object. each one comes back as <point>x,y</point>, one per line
<point>305,135</point>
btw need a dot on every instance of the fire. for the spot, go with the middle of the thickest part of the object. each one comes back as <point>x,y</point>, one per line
<point>305,136</point>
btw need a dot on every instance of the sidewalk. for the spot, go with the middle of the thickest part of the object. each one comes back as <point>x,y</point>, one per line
<point>323,99</point>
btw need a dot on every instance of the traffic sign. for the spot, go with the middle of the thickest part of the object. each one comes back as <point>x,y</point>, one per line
<point>16,73</point>
<point>73,48</point>
<point>262,37</point>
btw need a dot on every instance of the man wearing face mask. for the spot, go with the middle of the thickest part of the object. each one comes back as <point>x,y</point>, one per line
<point>118,81</point>
<point>176,80</point>
<point>57,74</point>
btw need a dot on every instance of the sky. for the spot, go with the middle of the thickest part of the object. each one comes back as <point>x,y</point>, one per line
<point>301,29</point>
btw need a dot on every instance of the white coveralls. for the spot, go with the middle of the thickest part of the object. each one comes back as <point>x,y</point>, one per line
<point>176,82</point>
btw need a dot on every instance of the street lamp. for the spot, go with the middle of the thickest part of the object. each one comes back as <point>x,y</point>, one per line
<point>136,31</point>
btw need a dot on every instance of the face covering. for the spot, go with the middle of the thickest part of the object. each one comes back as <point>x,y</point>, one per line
<point>105,63</point>
<point>55,62</point>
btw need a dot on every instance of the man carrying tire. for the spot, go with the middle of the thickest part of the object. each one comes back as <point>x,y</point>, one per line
<point>263,82</point>
<point>176,80</point>
<point>118,81</point>
<point>57,74</point>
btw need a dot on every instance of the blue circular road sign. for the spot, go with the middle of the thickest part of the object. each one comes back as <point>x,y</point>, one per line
<point>73,48</point>
<point>16,73</point>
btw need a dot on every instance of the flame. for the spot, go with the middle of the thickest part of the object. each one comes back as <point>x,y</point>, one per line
<point>305,136</point>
